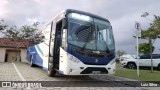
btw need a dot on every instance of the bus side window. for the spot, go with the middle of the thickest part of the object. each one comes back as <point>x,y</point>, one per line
<point>58,36</point>
<point>63,33</point>
<point>63,38</point>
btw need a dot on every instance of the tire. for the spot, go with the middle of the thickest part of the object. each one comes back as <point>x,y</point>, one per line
<point>131,66</point>
<point>51,70</point>
<point>158,67</point>
<point>31,61</point>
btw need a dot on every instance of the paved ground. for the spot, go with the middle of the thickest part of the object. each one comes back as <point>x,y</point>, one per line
<point>23,72</point>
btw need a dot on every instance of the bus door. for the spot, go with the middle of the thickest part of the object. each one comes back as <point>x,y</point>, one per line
<point>54,47</point>
<point>57,44</point>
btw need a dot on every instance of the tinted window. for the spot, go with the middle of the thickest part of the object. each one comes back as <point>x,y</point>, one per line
<point>145,57</point>
<point>156,56</point>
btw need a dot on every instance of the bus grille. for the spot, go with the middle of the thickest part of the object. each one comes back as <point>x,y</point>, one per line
<point>89,70</point>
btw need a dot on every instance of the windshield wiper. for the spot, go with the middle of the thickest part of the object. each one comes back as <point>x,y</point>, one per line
<point>106,46</point>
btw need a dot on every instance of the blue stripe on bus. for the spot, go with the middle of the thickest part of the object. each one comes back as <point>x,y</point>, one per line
<point>39,49</point>
<point>36,57</point>
<point>92,61</point>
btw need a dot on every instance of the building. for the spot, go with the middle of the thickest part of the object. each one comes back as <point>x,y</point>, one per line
<point>13,51</point>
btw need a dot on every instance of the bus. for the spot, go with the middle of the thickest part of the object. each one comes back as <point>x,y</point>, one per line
<point>75,43</point>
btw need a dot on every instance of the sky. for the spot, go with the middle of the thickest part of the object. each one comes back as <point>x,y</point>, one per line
<point>121,13</point>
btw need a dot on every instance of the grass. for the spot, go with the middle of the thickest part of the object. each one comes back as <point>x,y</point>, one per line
<point>145,75</point>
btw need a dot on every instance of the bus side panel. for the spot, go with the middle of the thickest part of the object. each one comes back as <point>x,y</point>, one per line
<point>34,53</point>
<point>43,50</point>
<point>30,52</point>
<point>28,55</point>
<point>63,62</point>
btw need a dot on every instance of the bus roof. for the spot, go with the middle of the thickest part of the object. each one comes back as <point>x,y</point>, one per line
<point>85,13</point>
<point>73,11</point>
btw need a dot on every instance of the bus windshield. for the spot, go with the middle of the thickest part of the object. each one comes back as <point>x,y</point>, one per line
<point>89,33</point>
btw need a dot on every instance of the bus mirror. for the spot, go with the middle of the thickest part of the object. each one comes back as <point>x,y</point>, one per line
<point>64,23</point>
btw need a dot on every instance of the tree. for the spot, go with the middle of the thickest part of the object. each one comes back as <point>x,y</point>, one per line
<point>2,25</point>
<point>38,38</point>
<point>28,32</point>
<point>121,52</point>
<point>144,48</point>
<point>152,33</point>
<point>12,32</point>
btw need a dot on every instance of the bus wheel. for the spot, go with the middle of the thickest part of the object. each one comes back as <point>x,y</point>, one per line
<point>31,61</point>
<point>51,70</point>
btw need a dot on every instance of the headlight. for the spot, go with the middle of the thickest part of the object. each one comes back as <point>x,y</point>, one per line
<point>72,58</point>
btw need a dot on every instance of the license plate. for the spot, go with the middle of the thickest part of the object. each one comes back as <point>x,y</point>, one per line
<point>96,72</point>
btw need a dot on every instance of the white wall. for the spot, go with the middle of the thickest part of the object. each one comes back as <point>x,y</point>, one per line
<point>2,54</point>
<point>23,55</point>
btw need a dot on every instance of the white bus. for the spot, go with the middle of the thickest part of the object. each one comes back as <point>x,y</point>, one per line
<point>76,43</point>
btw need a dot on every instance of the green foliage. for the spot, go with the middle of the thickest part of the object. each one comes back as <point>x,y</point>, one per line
<point>145,75</point>
<point>145,14</point>
<point>121,52</point>
<point>156,23</point>
<point>150,34</point>
<point>153,32</point>
<point>2,25</point>
<point>38,38</point>
<point>144,48</point>
<point>25,32</point>
<point>12,32</point>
